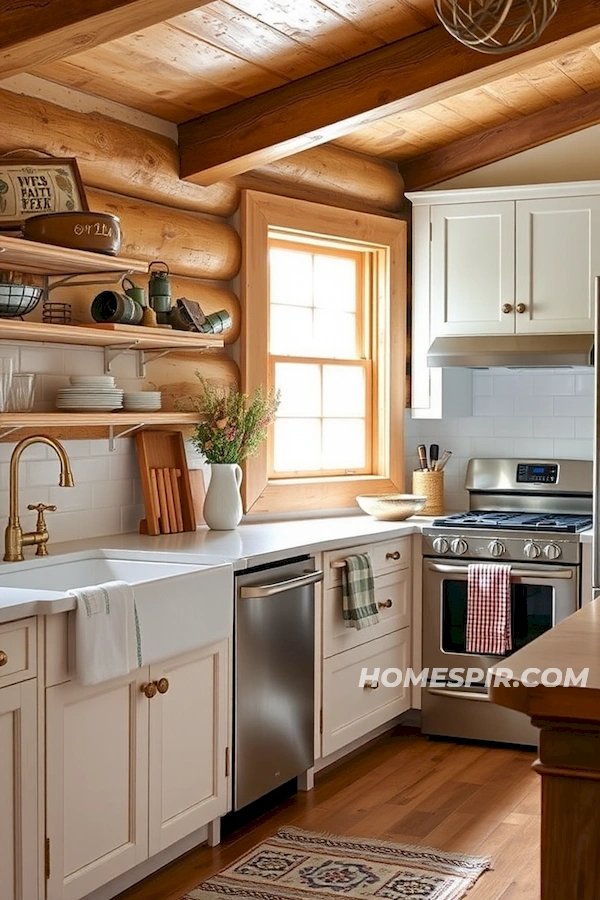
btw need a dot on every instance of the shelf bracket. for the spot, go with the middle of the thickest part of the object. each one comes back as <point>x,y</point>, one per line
<point>113,350</point>
<point>112,437</point>
<point>8,431</point>
<point>146,356</point>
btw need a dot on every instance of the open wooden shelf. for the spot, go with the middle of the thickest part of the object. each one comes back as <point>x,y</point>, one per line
<point>135,337</point>
<point>72,419</point>
<point>48,259</point>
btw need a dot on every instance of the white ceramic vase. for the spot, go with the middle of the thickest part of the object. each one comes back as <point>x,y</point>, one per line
<point>223,504</point>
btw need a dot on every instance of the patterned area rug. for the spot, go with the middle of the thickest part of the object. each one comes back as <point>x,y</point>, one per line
<point>298,865</point>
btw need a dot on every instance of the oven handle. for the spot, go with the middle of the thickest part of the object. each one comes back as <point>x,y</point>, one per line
<point>462,695</point>
<point>535,571</point>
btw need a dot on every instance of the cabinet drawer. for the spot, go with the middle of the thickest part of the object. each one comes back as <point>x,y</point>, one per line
<point>350,711</point>
<point>18,648</point>
<point>386,556</point>
<point>394,589</point>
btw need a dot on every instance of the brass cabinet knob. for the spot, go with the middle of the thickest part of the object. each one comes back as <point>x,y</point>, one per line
<point>506,308</point>
<point>394,555</point>
<point>149,689</point>
<point>521,308</point>
<point>162,685</point>
<point>387,605</point>
<point>3,658</point>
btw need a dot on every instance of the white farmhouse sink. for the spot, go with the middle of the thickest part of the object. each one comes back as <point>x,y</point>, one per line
<point>181,605</point>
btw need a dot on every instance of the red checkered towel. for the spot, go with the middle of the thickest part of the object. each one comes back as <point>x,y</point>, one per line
<point>488,609</point>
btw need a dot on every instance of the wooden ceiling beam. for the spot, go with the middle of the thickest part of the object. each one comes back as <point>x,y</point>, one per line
<point>420,69</point>
<point>498,143</point>
<point>32,33</point>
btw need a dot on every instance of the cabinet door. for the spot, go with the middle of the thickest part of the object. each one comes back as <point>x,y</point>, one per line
<point>350,711</point>
<point>472,268</point>
<point>188,741</point>
<point>18,792</point>
<point>558,257</point>
<point>96,783</point>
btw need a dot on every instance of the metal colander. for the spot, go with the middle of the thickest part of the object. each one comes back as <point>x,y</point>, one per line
<point>18,299</point>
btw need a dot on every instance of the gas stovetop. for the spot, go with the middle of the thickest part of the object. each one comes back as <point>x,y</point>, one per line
<point>518,521</point>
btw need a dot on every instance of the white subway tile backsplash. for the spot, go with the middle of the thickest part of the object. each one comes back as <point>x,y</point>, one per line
<point>77,497</point>
<point>507,426</point>
<point>94,468</point>
<point>496,405</point>
<point>549,427</point>
<point>112,493</point>
<point>573,449</point>
<point>516,413</point>
<point>582,405</point>
<point>42,358</point>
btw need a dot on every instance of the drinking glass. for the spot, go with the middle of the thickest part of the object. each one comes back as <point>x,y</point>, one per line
<point>6,375</point>
<point>22,392</point>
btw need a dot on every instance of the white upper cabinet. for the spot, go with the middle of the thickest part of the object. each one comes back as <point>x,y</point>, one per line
<point>512,260</point>
<point>472,268</point>
<point>557,259</point>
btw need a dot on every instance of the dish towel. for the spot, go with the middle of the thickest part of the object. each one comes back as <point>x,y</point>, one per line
<point>358,592</point>
<point>488,609</point>
<point>107,632</point>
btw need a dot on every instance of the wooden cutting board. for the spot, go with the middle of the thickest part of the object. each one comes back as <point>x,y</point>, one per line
<point>165,483</point>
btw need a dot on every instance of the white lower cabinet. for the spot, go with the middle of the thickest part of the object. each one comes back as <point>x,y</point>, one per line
<point>128,775</point>
<point>18,791</point>
<point>349,711</point>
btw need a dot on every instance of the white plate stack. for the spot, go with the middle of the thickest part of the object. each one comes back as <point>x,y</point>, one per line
<point>142,401</point>
<point>90,393</point>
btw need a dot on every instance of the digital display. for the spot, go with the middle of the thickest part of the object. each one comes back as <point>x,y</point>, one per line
<point>537,473</point>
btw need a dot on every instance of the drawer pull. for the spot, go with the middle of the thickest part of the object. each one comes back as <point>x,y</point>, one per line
<point>387,605</point>
<point>3,658</point>
<point>372,685</point>
<point>149,689</point>
<point>395,555</point>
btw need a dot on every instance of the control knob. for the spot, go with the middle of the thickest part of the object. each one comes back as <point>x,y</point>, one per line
<point>496,548</point>
<point>459,546</point>
<point>531,550</point>
<point>441,545</point>
<point>552,551</point>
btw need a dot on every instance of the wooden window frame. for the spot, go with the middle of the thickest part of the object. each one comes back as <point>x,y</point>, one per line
<point>261,212</point>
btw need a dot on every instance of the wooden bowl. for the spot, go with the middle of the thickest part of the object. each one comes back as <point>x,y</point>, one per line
<point>98,232</point>
<point>391,507</point>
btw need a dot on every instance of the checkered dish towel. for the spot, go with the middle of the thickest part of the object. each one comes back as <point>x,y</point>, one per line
<point>358,592</point>
<point>488,609</point>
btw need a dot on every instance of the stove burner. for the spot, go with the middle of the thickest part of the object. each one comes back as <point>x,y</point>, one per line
<point>565,522</point>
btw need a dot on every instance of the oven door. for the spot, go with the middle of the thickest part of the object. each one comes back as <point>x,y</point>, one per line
<point>541,596</point>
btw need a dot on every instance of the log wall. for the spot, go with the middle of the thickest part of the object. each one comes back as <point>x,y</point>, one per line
<point>133,174</point>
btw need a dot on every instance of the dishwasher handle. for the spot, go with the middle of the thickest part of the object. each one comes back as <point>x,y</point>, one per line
<point>278,587</point>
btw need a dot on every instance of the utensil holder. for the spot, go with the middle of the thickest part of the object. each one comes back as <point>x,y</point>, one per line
<point>430,485</point>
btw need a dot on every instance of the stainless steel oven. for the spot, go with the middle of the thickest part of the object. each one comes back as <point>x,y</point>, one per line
<point>543,551</point>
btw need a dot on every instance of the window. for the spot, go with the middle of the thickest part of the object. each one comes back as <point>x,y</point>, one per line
<point>324,320</point>
<point>320,358</point>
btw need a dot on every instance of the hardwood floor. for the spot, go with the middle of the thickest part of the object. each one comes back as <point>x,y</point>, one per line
<point>404,787</point>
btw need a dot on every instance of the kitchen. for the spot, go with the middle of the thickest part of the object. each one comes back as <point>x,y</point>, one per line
<point>521,413</point>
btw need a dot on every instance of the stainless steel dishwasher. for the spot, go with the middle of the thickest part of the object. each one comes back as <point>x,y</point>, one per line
<point>273,716</point>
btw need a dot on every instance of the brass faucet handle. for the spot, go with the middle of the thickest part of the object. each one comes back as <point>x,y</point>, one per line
<point>41,508</point>
<point>41,529</point>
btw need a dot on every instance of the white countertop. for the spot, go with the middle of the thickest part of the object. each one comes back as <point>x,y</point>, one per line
<point>248,545</point>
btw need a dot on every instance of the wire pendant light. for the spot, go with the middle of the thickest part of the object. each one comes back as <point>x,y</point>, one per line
<point>495,26</point>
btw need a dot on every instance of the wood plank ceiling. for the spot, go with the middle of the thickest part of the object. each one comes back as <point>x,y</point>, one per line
<point>222,54</point>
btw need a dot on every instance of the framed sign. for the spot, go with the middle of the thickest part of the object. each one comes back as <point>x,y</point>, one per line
<point>31,186</point>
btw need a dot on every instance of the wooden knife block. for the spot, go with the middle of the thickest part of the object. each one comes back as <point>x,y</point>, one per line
<point>165,483</point>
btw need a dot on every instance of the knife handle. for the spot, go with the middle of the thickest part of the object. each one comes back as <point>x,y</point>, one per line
<point>434,452</point>
<point>422,451</point>
<point>445,457</point>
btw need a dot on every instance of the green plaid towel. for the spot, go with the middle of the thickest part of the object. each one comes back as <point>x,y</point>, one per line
<point>358,592</point>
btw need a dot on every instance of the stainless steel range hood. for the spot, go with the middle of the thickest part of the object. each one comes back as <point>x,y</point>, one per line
<point>514,350</point>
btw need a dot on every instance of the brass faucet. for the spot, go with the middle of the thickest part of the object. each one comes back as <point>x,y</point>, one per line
<point>14,537</point>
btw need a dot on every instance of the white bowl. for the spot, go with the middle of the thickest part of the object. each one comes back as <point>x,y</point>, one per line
<point>391,507</point>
